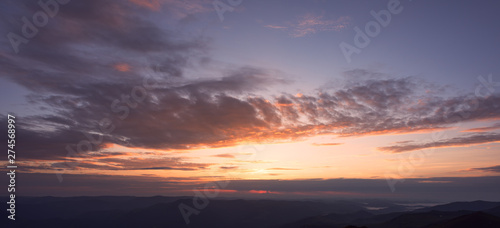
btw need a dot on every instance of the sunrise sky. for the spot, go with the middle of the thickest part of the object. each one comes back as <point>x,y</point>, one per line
<point>158,97</point>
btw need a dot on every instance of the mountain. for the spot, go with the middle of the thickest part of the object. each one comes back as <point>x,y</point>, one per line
<point>330,220</point>
<point>164,212</point>
<point>466,206</point>
<point>494,211</point>
<point>418,220</point>
<point>477,219</point>
<point>150,212</point>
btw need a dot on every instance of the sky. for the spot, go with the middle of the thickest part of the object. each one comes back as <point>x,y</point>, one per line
<point>298,99</point>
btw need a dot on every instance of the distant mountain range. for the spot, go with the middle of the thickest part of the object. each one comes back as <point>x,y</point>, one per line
<point>110,211</point>
<point>457,215</point>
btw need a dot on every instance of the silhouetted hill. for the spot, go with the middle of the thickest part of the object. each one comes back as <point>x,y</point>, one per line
<point>164,212</point>
<point>476,219</point>
<point>412,219</point>
<point>418,220</point>
<point>233,213</point>
<point>74,207</point>
<point>377,218</point>
<point>330,220</point>
<point>148,212</point>
<point>462,206</point>
<point>494,211</point>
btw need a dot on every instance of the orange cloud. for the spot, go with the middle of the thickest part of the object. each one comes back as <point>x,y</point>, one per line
<point>150,4</point>
<point>282,169</point>
<point>177,8</point>
<point>327,144</point>
<point>223,155</point>
<point>434,182</point>
<point>123,67</point>
<point>258,191</point>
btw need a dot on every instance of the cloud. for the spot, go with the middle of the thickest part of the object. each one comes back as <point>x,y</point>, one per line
<point>151,4</point>
<point>434,182</point>
<point>312,23</point>
<point>495,169</point>
<point>87,39</point>
<point>467,140</point>
<point>98,185</point>
<point>327,144</point>
<point>88,66</point>
<point>275,27</point>
<point>282,169</point>
<point>228,167</point>
<point>224,155</point>
<point>184,113</point>
<point>123,67</point>
<point>177,8</point>
<point>120,161</point>
<point>437,188</point>
<point>484,129</point>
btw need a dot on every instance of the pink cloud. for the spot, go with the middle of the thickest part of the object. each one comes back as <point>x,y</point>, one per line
<point>311,23</point>
<point>275,27</point>
<point>178,8</point>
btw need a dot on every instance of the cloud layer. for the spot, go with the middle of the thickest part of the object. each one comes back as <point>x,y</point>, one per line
<point>439,188</point>
<point>495,169</point>
<point>122,70</point>
<point>467,140</point>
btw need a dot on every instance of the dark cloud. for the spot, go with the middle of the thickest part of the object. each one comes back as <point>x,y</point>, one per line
<point>483,129</point>
<point>137,162</point>
<point>71,68</point>
<point>77,49</point>
<point>470,139</point>
<point>36,184</point>
<point>438,188</point>
<point>495,169</point>
<point>211,113</point>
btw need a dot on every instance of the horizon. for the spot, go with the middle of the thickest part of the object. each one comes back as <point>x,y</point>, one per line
<point>252,99</point>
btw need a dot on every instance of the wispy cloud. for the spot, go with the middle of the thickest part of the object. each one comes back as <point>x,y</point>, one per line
<point>467,140</point>
<point>495,169</point>
<point>114,161</point>
<point>282,169</point>
<point>224,155</point>
<point>311,23</point>
<point>484,129</point>
<point>327,144</point>
<point>151,4</point>
<point>228,167</point>
<point>275,27</point>
<point>434,182</point>
<point>178,8</point>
